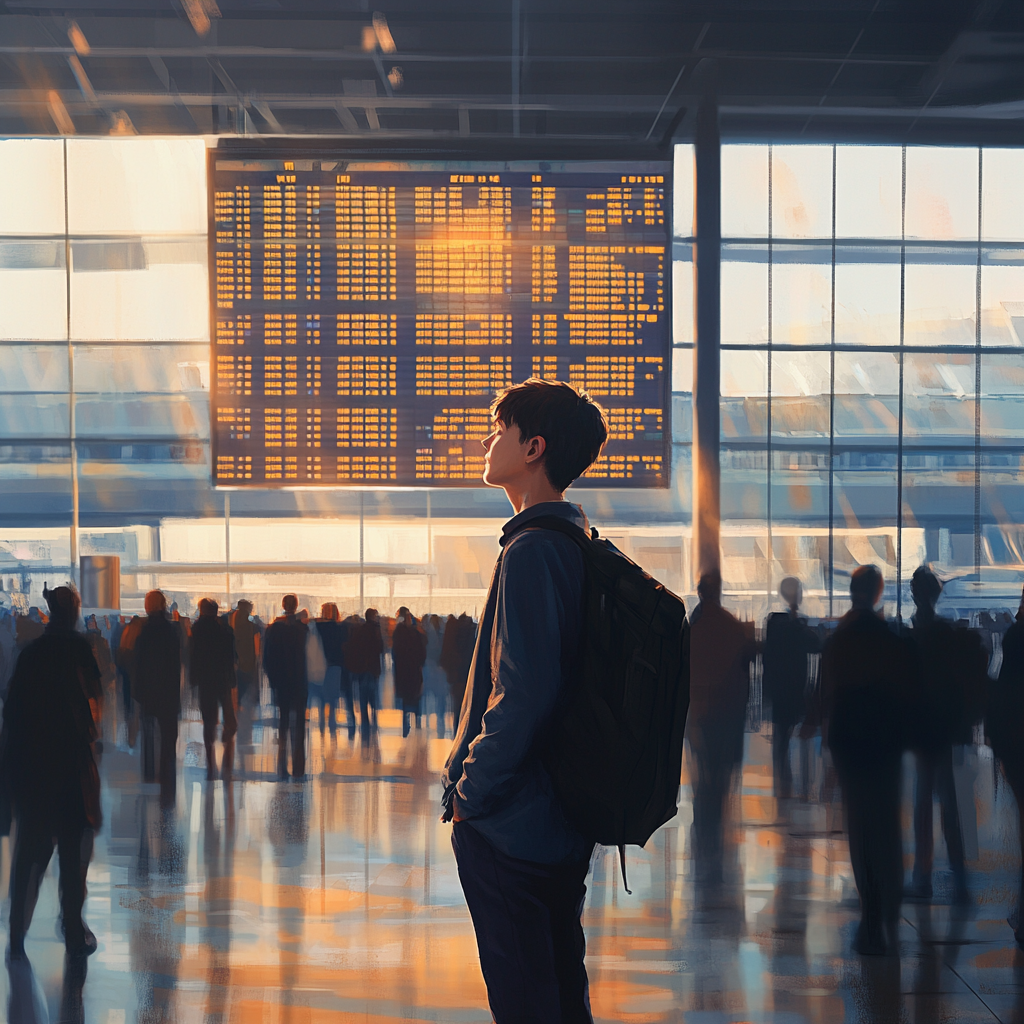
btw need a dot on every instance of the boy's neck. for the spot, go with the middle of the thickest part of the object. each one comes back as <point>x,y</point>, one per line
<point>535,492</point>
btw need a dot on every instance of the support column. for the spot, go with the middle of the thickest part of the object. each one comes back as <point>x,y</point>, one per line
<point>707,265</point>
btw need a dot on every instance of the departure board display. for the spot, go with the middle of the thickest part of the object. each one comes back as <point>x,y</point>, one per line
<point>364,315</point>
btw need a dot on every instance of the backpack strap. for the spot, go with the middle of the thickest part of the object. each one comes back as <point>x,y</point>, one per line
<point>622,862</point>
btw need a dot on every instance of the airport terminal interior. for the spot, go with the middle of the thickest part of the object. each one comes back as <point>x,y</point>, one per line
<point>264,266</point>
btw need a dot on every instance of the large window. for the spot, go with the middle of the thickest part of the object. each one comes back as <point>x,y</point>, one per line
<point>872,366</point>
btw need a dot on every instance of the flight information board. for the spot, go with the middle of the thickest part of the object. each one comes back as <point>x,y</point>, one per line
<point>365,314</point>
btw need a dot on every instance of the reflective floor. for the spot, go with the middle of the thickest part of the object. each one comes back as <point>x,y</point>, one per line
<point>337,900</point>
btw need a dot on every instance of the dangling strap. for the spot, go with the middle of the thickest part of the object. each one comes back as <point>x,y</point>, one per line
<point>622,861</point>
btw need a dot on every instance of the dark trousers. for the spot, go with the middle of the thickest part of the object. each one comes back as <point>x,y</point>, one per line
<point>167,774</point>
<point>935,777</point>
<point>210,705</point>
<point>369,686</point>
<point>871,796</point>
<point>782,730</point>
<point>291,725</point>
<point>529,931</point>
<point>33,848</point>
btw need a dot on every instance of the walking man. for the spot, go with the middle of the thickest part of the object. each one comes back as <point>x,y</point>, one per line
<point>284,660</point>
<point>212,673</point>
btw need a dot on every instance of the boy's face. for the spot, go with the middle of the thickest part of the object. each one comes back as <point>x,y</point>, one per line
<point>506,458</point>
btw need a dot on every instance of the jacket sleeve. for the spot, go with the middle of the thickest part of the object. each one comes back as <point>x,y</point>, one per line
<point>539,608</point>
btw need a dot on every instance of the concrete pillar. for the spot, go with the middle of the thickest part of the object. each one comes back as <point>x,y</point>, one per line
<point>707,265</point>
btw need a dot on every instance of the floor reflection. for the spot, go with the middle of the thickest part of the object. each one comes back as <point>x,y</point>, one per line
<point>337,899</point>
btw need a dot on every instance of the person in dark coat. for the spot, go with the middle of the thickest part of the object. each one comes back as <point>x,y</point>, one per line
<point>284,661</point>
<point>870,685</point>
<point>409,654</point>
<point>156,684</point>
<point>49,772</point>
<point>944,721</point>
<point>788,644</point>
<point>364,651</point>
<point>212,672</point>
<point>1004,728</point>
<point>337,681</point>
<point>721,650</point>
<point>247,683</point>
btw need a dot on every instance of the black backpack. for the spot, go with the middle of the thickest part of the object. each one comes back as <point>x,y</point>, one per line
<point>615,748</point>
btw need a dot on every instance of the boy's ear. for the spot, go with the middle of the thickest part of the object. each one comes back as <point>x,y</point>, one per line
<point>537,446</point>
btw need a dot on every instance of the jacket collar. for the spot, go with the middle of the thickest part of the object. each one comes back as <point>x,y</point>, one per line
<point>564,509</point>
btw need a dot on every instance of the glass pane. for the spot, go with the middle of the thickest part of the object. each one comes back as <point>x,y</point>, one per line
<point>869,191</point>
<point>942,192</point>
<point>867,395</point>
<point>33,368</point>
<point>682,302</point>
<point>146,369</point>
<point>744,302</point>
<point>167,302</point>
<point>1002,194</point>
<point>1002,304</point>
<point>682,371</point>
<point>802,191</point>
<point>143,416</point>
<point>35,485</point>
<point>743,374</point>
<point>938,395</point>
<point>938,489</point>
<point>32,184</point>
<point>33,305</point>
<point>867,301</point>
<point>33,415</point>
<point>801,304</point>
<point>682,190</point>
<point>1002,401</point>
<point>940,304</point>
<point>801,382</point>
<point>744,191</point>
<point>144,186</point>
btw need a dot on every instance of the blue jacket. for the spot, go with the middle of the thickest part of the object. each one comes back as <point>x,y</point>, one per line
<point>526,646</point>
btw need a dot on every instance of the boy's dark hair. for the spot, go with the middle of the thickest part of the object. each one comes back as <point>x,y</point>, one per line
<point>574,428</point>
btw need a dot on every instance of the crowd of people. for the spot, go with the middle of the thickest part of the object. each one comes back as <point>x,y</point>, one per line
<point>874,690</point>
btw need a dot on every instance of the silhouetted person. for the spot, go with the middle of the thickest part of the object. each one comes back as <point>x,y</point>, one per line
<point>49,772</point>
<point>720,655</point>
<point>127,635</point>
<point>1004,726</point>
<point>788,643</point>
<point>212,671</point>
<point>944,719</point>
<point>363,653</point>
<point>869,687</point>
<point>456,657</point>
<point>284,661</point>
<point>435,683</point>
<point>409,654</point>
<point>337,680</point>
<point>156,681</point>
<point>247,683</point>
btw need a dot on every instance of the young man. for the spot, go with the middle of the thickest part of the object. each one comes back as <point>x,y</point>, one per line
<point>521,863</point>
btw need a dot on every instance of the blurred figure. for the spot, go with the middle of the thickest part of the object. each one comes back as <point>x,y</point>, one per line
<point>435,684</point>
<point>48,769</point>
<point>247,683</point>
<point>127,634</point>
<point>284,660</point>
<point>337,681</point>
<point>788,642</point>
<point>212,672</point>
<point>944,720</point>
<point>156,680</point>
<point>456,657</point>
<point>1004,726</point>
<point>869,688</point>
<point>720,655</point>
<point>363,653</point>
<point>409,654</point>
